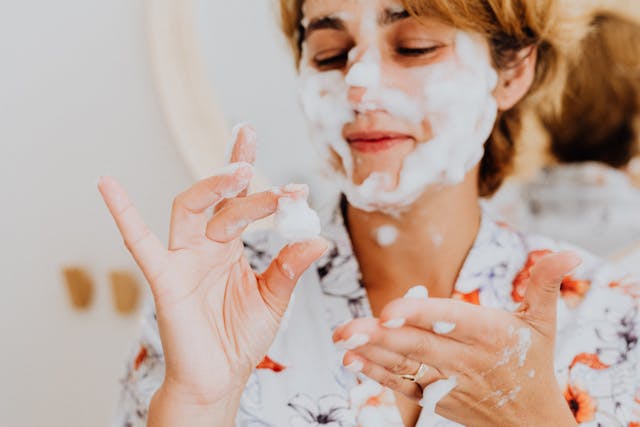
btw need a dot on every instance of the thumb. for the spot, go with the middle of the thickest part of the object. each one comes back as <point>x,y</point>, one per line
<point>277,282</point>
<point>541,296</point>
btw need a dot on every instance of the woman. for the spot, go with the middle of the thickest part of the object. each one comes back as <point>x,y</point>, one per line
<point>588,196</point>
<point>414,104</point>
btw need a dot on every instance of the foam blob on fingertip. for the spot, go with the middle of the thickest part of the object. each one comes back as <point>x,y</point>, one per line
<point>418,292</point>
<point>295,221</point>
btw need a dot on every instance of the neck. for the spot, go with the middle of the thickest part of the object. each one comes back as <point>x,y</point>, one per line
<point>433,239</point>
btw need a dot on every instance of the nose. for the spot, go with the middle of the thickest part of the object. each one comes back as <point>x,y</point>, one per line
<point>356,94</point>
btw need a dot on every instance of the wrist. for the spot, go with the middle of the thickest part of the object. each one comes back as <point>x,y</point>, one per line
<point>558,410</point>
<point>170,406</point>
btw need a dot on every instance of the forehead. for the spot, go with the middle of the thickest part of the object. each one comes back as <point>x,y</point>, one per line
<point>346,9</point>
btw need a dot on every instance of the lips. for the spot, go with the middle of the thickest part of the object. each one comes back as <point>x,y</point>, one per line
<point>374,141</point>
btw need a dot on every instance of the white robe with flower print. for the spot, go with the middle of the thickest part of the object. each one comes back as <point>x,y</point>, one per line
<point>301,382</point>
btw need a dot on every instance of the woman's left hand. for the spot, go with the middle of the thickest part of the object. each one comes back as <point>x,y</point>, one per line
<point>484,366</point>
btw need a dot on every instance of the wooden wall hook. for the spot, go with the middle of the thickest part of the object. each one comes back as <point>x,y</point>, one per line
<point>79,287</point>
<point>125,291</point>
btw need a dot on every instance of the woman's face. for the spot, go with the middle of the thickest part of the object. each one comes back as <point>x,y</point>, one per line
<point>398,104</point>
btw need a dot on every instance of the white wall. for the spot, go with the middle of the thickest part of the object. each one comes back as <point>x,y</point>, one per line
<point>255,80</point>
<point>76,101</point>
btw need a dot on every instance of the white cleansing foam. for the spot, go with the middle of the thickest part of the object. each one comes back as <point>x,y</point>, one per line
<point>455,99</point>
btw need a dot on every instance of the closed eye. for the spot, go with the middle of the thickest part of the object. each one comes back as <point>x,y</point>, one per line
<point>413,52</point>
<point>338,60</point>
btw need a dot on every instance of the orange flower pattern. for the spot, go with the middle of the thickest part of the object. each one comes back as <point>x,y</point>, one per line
<point>581,404</point>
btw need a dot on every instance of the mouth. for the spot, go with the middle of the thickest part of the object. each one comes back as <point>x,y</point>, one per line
<point>376,141</point>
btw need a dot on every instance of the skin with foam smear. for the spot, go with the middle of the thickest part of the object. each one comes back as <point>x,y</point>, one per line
<point>455,98</point>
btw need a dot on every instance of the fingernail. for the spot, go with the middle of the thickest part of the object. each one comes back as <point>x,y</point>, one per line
<point>354,341</point>
<point>394,323</point>
<point>99,180</point>
<point>301,189</point>
<point>576,259</point>
<point>418,292</point>
<point>443,327</point>
<point>232,168</point>
<point>355,366</point>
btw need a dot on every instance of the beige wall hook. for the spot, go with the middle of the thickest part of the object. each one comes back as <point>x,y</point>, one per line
<point>79,287</point>
<point>125,291</point>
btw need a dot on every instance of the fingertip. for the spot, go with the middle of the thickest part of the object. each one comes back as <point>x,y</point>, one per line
<point>565,260</point>
<point>235,131</point>
<point>301,190</point>
<point>243,145</point>
<point>573,259</point>
<point>315,244</point>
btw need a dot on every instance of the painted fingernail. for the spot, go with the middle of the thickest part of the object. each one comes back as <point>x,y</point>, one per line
<point>443,327</point>
<point>394,323</point>
<point>355,366</point>
<point>354,341</point>
<point>418,292</point>
<point>301,189</point>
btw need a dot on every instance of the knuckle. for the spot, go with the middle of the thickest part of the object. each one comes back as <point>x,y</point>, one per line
<point>420,350</point>
<point>178,200</point>
<point>391,381</point>
<point>401,366</point>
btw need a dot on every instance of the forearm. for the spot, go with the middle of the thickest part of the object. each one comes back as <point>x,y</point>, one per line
<point>168,410</point>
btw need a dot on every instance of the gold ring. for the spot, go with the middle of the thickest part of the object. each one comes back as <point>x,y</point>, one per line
<point>415,377</point>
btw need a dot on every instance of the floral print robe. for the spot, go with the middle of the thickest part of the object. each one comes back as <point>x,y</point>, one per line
<point>301,381</point>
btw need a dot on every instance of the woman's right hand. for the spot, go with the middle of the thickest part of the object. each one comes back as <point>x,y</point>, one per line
<point>217,317</point>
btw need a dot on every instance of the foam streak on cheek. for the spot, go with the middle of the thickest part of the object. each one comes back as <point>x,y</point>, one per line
<point>325,103</point>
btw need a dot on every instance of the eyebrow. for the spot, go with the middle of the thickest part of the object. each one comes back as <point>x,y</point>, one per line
<point>332,22</point>
<point>323,23</point>
<point>391,16</point>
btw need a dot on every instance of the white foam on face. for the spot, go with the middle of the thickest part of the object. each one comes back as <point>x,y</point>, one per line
<point>386,235</point>
<point>365,73</point>
<point>443,327</point>
<point>435,392</point>
<point>295,221</point>
<point>455,100</point>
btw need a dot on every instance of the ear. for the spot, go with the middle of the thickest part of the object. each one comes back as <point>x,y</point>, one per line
<point>515,80</point>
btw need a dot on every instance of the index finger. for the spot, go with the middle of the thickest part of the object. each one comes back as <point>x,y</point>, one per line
<point>147,250</point>
<point>244,147</point>
<point>455,319</point>
<point>243,150</point>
